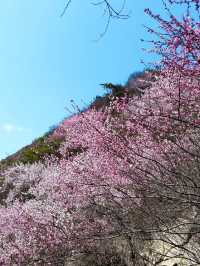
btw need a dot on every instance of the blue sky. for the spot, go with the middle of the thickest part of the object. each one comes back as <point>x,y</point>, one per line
<point>45,61</point>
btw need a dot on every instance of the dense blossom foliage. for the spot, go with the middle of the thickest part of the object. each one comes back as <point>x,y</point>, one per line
<point>136,153</point>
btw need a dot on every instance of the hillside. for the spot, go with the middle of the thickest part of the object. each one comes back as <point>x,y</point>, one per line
<point>45,145</point>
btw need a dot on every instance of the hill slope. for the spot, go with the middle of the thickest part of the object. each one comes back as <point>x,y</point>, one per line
<point>46,145</point>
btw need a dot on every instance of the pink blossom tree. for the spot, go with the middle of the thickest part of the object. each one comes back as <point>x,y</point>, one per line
<point>135,176</point>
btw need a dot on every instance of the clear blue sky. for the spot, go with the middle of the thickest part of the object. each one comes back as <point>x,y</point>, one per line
<point>45,61</point>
